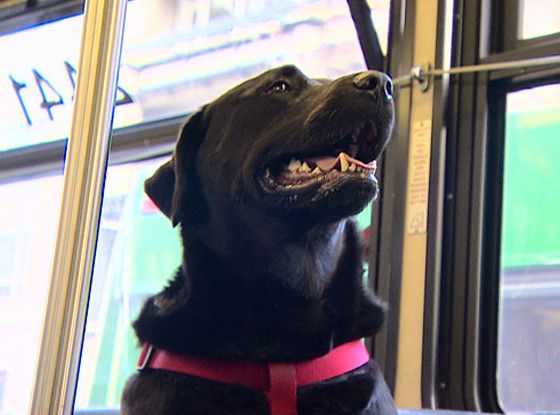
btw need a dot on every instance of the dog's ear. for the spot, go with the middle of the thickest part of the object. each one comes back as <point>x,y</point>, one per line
<point>161,186</point>
<point>172,187</point>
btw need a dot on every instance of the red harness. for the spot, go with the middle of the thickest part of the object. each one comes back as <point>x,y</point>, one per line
<point>279,380</point>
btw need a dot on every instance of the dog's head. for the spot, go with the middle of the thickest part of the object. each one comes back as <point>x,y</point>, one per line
<point>298,149</point>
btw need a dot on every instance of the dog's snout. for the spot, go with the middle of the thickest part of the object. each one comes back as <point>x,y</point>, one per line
<point>375,82</point>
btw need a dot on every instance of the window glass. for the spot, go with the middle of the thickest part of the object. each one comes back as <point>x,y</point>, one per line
<point>127,268</point>
<point>36,88</point>
<point>539,18</point>
<point>176,56</point>
<point>138,251</point>
<point>2,389</point>
<point>529,316</point>
<point>26,246</point>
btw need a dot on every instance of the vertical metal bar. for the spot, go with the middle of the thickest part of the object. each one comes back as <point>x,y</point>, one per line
<point>392,201</point>
<point>408,388</point>
<point>84,177</point>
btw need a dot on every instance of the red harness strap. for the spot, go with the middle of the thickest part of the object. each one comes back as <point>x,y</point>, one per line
<point>279,380</point>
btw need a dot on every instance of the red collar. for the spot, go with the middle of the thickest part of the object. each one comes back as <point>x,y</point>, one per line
<point>279,380</point>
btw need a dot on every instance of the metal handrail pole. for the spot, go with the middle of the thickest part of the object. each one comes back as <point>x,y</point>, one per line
<point>84,177</point>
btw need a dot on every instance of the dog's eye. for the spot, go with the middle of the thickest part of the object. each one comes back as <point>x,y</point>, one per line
<point>280,86</point>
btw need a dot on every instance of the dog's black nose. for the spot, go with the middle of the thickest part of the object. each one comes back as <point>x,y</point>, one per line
<point>375,82</point>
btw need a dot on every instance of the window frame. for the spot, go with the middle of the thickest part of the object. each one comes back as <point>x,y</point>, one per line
<point>467,341</point>
<point>134,143</point>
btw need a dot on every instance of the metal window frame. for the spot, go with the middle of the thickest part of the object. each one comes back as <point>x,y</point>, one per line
<point>458,223</point>
<point>473,203</point>
<point>134,143</point>
<point>387,257</point>
<point>393,206</point>
<point>431,382</point>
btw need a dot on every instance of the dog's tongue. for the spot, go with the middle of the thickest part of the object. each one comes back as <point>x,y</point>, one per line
<point>324,163</point>
<point>329,163</point>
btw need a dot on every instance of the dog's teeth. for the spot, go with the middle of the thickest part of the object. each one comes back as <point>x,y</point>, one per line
<point>343,162</point>
<point>317,170</point>
<point>294,165</point>
<point>352,167</point>
<point>305,167</point>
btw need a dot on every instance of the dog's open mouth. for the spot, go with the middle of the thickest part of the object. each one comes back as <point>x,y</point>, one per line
<point>349,159</point>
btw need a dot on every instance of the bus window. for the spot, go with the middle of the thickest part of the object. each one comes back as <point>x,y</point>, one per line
<point>176,56</point>
<point>529,314</point>
<point>138,250</point>
<point>27,235</point>
<point>538,18</point>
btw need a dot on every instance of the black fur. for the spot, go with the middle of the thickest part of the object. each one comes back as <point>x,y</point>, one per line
<point>265,276</point>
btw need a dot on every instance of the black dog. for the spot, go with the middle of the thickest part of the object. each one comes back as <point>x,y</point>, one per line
<point>272,264</point>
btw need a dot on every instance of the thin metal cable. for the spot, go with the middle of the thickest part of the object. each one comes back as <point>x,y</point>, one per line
<point>420,74</point>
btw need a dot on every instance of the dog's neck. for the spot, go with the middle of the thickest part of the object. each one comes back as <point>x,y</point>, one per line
<point>223,309</point>
<point>307,263</point>
<point>301,254</point>
<point>302,260</point>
